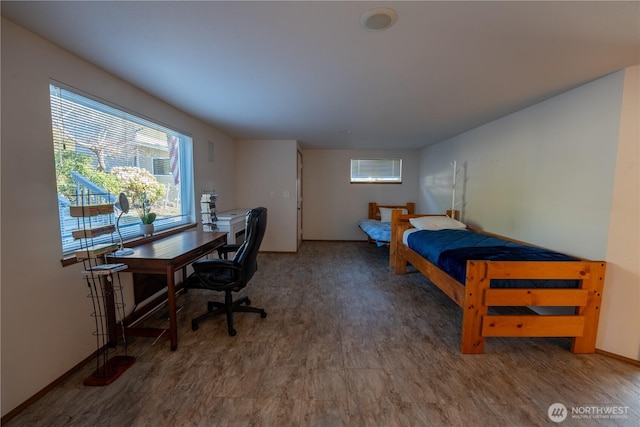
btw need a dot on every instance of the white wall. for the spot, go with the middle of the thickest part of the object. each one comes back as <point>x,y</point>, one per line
<point>46,323</point>
<point>620,322</point>
<point>332,206</point>
<point>545,175</point>
<point>542,175</point>
<point>266,176</point>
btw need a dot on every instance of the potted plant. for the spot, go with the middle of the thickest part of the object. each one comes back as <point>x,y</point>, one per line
<point>144,190</point>
<point>146,216</point>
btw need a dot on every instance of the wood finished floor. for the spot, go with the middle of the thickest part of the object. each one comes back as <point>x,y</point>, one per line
<point>346,343</point>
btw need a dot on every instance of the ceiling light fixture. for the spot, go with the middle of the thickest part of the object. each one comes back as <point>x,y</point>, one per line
<point>378,19</point>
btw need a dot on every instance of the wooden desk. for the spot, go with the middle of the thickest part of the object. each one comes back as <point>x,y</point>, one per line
<point>166,256</point>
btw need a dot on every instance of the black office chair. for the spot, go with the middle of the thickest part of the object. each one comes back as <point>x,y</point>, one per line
<point>228,276</point>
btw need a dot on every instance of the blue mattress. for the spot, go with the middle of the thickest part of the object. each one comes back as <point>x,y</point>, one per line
<point>451,249</point>
<point>378,231</point>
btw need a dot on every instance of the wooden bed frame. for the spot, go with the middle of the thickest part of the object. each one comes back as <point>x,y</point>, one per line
<point>396,219</point>
<point>475,296</point>
<point>374,209</point>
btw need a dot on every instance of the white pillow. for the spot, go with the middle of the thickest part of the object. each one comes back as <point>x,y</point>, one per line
<point>436,223</point>
<point>385,213</point>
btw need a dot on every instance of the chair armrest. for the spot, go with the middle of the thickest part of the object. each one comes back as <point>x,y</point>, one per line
<point>224,250</point>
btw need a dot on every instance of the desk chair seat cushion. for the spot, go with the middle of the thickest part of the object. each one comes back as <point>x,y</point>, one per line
<point>220,276</point>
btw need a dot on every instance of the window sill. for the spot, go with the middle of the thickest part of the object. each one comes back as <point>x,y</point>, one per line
<point>132,243</point>
<point>375,182</point>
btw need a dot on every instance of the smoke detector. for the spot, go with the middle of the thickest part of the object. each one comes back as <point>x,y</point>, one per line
<point>378,19</point>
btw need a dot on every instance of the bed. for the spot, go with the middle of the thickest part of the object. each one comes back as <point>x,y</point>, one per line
<point>377,226</point>
<point>501,272</point>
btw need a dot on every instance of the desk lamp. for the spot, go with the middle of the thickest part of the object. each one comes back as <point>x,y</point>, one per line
<point>123,206</point>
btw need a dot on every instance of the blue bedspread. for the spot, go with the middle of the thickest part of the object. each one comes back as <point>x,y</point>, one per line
<point>451,249</point>
<point>378,231</point>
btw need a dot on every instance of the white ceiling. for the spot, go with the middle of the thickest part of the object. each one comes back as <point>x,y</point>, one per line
<point>307,71</point>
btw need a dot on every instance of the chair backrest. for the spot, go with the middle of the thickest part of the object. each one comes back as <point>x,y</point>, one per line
<point>247,254</point>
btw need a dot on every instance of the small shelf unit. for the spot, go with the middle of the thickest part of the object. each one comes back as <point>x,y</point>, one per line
<point>95,218</point>
<point>208,210</point>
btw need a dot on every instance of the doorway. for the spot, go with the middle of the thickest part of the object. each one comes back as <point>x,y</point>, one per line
<point>299,197</point>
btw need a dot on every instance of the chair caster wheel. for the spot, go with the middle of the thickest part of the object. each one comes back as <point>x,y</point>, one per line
<point>210,306</point>
<point>194,326</point>
<point>248,301</point>
<point>232,332</point>
<point>263,314</point>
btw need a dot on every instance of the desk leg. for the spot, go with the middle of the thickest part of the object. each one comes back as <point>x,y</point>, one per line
<point>171,298</point>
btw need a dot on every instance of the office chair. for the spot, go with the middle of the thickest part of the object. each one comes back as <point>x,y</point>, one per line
<point>229,276</point>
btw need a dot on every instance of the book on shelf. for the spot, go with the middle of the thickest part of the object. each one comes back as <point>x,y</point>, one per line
<point>96,250</point>
<point>90,210</point>
<point>93,231</point>
<point>104,269</point>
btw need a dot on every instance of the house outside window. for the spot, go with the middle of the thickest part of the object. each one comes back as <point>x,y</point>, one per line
<point>101,150</point>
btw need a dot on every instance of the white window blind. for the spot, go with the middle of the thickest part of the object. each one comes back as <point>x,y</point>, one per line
<point>376,171</point>
<point>101,150</point>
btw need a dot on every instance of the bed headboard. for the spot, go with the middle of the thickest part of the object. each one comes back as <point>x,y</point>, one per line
<point>400,223</point>
<point>374,209</point>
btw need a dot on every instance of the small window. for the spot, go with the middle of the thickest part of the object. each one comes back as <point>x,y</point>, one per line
<point>376,171</point>
<point>161,166</point>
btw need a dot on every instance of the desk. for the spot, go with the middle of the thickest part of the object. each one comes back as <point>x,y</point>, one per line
<point>166,256</point>
<point>233,223</point>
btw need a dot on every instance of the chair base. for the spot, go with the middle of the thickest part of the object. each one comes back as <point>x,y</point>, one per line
<point>228,308</point>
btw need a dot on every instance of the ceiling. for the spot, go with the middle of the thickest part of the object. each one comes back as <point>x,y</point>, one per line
<point>307,71</point>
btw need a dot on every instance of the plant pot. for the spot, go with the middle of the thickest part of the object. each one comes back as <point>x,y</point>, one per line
<point>146,229</point>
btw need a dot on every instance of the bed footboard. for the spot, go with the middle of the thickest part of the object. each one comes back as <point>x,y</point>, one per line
<point>581,326</point>
<point>476,296</point>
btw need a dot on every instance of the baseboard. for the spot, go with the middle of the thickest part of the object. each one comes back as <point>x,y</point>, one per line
<point>313,240</point>
<point>15,411</point>
<point>618,357</point>
<point>335,241</point>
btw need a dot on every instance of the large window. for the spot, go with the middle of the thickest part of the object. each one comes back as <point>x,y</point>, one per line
<point>101,151</point>
<point>380,171</point>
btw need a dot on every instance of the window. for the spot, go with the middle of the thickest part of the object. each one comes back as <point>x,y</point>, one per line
<point>102,150</point>
<point>378,171</point>
<point>161,166</point>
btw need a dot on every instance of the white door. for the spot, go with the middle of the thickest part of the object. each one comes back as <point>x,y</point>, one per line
<point>299,197</point>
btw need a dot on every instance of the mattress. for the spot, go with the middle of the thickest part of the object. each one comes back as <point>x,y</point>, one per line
<point>378,231</point>
<point>451,249</point>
